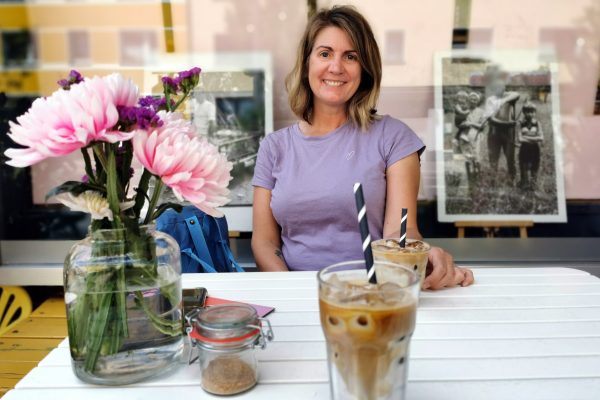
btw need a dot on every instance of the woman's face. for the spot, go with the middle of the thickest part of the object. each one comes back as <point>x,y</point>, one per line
<point>333,69</point>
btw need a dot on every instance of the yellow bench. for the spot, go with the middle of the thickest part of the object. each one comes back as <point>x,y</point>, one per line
<point>27,342</point>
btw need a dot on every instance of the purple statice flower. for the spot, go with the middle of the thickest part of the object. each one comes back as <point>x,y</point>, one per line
<point>150,101</point>
<point>138,117</point>
<point>189,73</point>
<point>85,179</point>
<point>127,116</point>
<point>73,78</point>
<point>170,85</point>
<point>147,118</point>
<point>189,79</point>
<point>157,103</point>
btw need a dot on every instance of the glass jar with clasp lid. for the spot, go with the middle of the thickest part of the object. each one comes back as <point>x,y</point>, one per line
<point>225,337</point>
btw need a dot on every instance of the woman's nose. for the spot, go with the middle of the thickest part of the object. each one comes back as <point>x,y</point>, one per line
<point>335,65</point>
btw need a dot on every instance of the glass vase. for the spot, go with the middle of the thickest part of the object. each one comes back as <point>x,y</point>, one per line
<point>123,298</point>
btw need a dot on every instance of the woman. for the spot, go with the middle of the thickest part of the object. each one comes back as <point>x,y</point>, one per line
<point>304,211</point>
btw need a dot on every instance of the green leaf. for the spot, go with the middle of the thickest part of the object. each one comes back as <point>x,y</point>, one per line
<point>142,191</point>
<point>132,226</point>
<point>112,188</point>
<point>73,187</point>
<point>164,207</point>
<point>88,164</point>
<point>124,168</point>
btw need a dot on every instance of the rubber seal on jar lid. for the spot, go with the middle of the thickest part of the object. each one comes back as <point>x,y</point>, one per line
<point>194,334</point>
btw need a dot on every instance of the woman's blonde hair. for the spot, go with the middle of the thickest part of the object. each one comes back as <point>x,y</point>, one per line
<point>361,107</point>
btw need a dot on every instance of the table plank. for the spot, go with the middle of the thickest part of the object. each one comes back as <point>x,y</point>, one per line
<point>535,389</point>
<point>290,318</point>
<point>53,307</point>
<point>39,328</point>
<point>7,384</point>
<point>482,281</point>
<point>420,350</point>
<point>423,370</point>
<point>528,290</point>
<point>308,303</point>
<point>484,330</point>
<point>480,271</point>
<point>10,369</point>
<point>424,348</point>
<point>260,392</point>
<point>26,349</point>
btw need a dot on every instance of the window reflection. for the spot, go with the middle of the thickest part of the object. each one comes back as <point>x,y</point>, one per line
<point>41,40</point>
<point>18,49</point>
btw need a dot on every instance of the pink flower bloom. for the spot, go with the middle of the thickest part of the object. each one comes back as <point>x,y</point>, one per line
<point>124,91</point>
<point>69,120</point>
<point>189,165</point>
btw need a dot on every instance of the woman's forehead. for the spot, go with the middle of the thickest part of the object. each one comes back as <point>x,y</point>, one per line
<point>334,38</point>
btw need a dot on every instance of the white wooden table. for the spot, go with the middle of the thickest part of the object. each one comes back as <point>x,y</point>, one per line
<point>518,333</point>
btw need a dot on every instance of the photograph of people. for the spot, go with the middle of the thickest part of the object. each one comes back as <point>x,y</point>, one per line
<point>497,164</point>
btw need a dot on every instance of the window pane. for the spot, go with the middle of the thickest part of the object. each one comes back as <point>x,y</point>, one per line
<point>247,47</point>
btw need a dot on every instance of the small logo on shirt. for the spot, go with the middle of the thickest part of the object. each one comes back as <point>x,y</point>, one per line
<point>350,155</point>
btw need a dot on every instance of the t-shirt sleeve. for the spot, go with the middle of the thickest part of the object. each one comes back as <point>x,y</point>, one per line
<point>263,170</point>
<point>399,142</point>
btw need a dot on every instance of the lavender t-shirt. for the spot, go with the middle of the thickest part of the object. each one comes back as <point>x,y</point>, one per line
<point>311,181</point>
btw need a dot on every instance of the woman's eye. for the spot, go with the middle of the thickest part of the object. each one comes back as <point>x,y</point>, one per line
<point>351,57</point>
<point>324,54</point>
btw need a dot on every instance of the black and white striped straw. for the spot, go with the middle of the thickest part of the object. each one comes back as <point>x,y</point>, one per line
<point>364,232</point>
<point>403,227</point>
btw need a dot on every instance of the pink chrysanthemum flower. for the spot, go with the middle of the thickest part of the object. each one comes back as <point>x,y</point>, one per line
<point>69,120</point>
<point>189,165</point>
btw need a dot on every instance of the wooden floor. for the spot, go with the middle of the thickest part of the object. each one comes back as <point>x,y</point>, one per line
<point>24,346</point>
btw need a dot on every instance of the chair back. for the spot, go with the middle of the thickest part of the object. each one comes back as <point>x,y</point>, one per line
<point>15,306</point>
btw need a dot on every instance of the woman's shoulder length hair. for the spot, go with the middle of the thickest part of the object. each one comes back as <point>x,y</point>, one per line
<point>361,107</point>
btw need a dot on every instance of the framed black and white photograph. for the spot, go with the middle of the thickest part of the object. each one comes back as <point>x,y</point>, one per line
<point>498,137</point>
<point>228,109</point>
<point>232,107</point>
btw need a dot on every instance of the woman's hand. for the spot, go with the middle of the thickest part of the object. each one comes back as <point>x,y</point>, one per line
<point>442,272</point>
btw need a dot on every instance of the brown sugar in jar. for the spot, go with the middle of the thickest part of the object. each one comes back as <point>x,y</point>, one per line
<point>226,336</point>
<point>228,375</point>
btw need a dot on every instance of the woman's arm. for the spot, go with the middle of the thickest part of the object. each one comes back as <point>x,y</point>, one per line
<point>402,188</point>
<point>266,239</point>
<point>403,179</point>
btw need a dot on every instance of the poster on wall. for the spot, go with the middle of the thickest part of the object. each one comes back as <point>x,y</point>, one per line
<point>498,137</point>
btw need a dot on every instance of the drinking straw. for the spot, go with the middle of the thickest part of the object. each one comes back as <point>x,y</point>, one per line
<point>364,232</point>
<point>403,227</point>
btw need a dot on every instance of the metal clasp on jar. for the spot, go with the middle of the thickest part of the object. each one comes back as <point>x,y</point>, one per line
<point>265,334</point>
<point>190,317</point>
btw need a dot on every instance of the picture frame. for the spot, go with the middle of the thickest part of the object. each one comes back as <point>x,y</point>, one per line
<point>498,138</point>
<point>232,107</point>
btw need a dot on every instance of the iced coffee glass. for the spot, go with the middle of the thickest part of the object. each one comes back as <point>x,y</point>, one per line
<point>368,328</point>
<point>413,255</point>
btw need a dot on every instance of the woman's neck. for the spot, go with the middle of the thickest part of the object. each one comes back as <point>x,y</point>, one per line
<point>323,122</point>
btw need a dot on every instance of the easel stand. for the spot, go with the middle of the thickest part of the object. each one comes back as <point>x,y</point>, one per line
<point>491,228</point>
